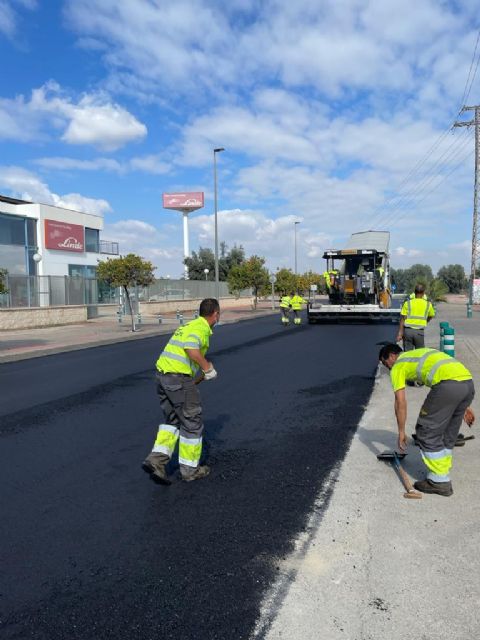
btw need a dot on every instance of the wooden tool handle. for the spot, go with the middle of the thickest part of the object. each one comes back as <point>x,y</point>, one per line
<point>411,493</point>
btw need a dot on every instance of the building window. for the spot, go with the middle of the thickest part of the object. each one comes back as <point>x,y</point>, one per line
<point>18,244</point>
<point>82,271</point>
<point>92,240</point>
<point>12,230</point>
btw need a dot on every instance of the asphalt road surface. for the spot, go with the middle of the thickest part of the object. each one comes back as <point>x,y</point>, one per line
<point>92,549</point>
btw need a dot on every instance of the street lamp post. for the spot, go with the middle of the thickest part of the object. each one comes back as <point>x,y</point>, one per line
<point>217,272</point>
<point>206,272</point>
<point>295,227</point>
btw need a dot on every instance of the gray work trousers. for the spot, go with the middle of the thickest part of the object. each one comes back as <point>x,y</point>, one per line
<point>441,415</point>
<point>181,404</point>
<point>413,338</point>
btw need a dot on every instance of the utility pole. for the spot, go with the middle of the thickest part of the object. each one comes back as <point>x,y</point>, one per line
<point>475,227</point>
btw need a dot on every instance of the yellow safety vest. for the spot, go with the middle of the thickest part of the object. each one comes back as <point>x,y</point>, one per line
<point>193,335</point>
<point>416,312</point>
<point>297,302</point>
<point>285,302</point>
<point>427,366</point>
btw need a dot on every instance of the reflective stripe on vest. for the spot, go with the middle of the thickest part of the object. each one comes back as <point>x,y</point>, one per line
<point>443,360</point>
<point>416,321</point>
<point>174,358</point>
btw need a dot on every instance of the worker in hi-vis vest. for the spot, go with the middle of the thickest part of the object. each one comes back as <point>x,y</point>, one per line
<point>178,366</point>
<point>441,415</point>
<point>285,306</point>
<point>416,313</point>
<point>297,301</point>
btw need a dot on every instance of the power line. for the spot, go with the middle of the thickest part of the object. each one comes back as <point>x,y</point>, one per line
<point>436,144</point>
<point>465,94</point>
<point>445,177</point>
<point>402,200</point>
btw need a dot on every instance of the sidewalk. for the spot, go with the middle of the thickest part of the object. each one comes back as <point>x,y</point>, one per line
<point>373,565</point>
<point>31,343</point>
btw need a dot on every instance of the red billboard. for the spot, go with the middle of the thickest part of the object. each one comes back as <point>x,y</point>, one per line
<point>183,201</point>
<point>63,236</point>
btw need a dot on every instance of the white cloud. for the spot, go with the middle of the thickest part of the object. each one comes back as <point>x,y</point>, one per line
<point>262,235</point>
<point>152,164</point>
<point>141,238</point>
<point>72,164</point>
<point>27,186</point>
<point>335,48</point>
<point>7,19</point>
<point>9,16</point>
<point>93,120</point>
<point>409,253</point>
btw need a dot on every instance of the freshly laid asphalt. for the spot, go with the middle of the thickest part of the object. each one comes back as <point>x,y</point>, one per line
<point>91,549</point>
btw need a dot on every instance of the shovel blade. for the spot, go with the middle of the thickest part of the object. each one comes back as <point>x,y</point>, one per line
<point>389,455</point>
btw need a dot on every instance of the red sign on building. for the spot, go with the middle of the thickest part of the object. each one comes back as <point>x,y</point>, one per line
<point>63,236</point>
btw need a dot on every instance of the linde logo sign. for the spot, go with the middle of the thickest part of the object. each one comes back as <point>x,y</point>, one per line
<point>62,236</point>
<point>71,243</point>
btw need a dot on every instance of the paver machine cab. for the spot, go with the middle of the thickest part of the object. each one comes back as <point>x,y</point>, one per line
<point>358,282</point>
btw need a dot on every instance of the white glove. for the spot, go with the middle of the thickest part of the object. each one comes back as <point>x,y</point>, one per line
<point>210,374</point>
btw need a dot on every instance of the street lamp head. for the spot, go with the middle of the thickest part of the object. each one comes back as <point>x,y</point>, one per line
<point>206,271</point>
<point>218,149</point>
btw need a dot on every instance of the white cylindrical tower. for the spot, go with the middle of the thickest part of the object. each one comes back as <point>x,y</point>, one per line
<point>186,203</point>
<point>186,248</point>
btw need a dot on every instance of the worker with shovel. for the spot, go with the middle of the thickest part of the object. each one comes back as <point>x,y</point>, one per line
<point>447,404</point>
<point>178,366</point>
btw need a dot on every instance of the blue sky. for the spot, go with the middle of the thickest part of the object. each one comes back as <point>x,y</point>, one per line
<point>323,108</point>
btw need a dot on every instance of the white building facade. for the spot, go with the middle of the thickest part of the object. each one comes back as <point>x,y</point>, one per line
<point>43,240</point>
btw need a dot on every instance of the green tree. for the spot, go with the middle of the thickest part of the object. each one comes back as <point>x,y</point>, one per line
<point>250,274</point>
<point>126,272</point>
<point>437,290</point>
<point>418,274</point>
<point>198,262</point>
<point>3,278</point>
<point>453,275</point>
<point>305,280</point>
<point>205,259</point>
<point>406,279</point>
<point>286,281</point>
<point>400,280</point>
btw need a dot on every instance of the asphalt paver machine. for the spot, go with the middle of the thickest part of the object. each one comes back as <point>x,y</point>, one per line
<point>358,282</point>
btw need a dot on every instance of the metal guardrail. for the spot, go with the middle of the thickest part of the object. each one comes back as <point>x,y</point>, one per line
<point>109,248</point>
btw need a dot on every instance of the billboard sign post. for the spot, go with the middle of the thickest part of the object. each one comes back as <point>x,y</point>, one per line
<point>186,203</point>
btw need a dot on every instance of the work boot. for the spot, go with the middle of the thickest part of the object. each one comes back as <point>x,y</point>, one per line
<point>200,472</point>
<point>157,473</point>
<point>428,486</point>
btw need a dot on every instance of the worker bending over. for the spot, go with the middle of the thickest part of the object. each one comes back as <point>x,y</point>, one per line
<point>182,359</point>
<point>416,313</point>
<point>447,404</point>
<point>285,306</point>
<point>297,301</point>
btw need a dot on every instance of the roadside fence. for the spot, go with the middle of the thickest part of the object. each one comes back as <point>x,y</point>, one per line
<point>49,291</point>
